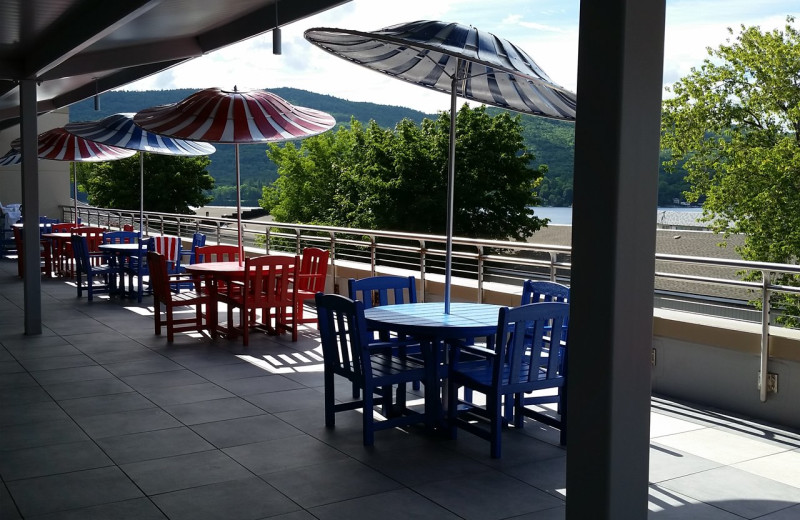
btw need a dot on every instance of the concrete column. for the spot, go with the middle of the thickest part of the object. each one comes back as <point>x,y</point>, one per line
<point>613,242</point>
<point>32,290</point>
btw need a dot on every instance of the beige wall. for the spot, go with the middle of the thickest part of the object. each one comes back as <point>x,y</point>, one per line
<point>54,187</point>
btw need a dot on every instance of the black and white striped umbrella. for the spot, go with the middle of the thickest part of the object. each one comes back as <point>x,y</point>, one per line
<point>459,60</point>
<point>119,130</point>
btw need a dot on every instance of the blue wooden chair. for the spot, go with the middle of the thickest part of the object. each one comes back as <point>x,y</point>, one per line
<point>198,240</point>
<point>521,360</point>
<point>376,291</point>
<point>98,274</point>
<point>538,291</point>
<point>350,351</point>
<point>126,267</point>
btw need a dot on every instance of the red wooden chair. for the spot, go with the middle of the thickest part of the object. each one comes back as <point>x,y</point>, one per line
<point>266,287</point>
<point>161,281</point>
<point>44,252</point>
<point>62,249</point>
<point>219,253</point>
<point>94,237</point>
<point>310,280</point>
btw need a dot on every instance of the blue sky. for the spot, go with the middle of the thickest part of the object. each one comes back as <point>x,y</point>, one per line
<point>546,29</point>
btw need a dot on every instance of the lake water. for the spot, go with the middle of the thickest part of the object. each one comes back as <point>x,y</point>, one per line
<point>564,215</point>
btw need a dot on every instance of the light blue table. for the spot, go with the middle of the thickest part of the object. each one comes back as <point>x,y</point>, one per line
<point>428,323</point>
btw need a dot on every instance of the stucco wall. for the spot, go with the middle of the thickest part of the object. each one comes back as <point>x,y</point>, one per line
<point>54,186</point>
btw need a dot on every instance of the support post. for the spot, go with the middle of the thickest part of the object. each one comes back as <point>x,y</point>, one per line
<point>32,284</point>
<point>620,59</point>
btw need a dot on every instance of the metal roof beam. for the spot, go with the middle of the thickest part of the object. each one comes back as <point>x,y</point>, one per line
<point>131,56</point>
<point>78,29</point>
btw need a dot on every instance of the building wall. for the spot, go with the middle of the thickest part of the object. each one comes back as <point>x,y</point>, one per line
<point>54,185</point>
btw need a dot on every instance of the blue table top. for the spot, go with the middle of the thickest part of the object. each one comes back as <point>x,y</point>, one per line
<point>429,319</point>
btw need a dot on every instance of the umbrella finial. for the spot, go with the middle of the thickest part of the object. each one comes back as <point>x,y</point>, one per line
<point>235,89</point>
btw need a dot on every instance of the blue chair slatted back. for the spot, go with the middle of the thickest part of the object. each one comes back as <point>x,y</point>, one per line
<point>121,237</point>
<point>383,290</point>
<point>198,240</point>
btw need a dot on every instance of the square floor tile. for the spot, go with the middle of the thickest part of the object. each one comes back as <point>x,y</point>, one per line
<point>331,482</point>
<point>281,454</point>
<point>393,505</point>
<point>184,471</point>
<point>51,459</point>
<point>163,379</point>
<point>136,447</point>
<point>31,413</point>
<point>79,389</point>
<point>108,425</point>
<point>71,375</point>
<point>782,467</point>
<point>245,430</point>
<point>30,435</point>
<point>259,385</point>
<point>215,410</point>
<point>667,463</point>
<point>736,491</point>
<point>150,365</point>
<point>135,509</point>
<point>247,499</point>
<point>288,400</point>
<point>719,446</point>
<point>76,490</point>
<point>104,404</point>
<point>664,504</point>
<point>185,394</point>
<point>466,496</point>
<point>54,362</point>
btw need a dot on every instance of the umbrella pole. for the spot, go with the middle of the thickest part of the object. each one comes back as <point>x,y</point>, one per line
<point>451,177</point>
<point>75,191</point>
<point>141,191</point>
<point>239,207</point>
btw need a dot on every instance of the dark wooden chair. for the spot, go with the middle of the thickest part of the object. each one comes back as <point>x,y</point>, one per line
<point>99,275</point>
<point>524,358</point>
<point>161,281</point>
<point>351,352</point>
<point>311,279</point>
<point>266,287</point>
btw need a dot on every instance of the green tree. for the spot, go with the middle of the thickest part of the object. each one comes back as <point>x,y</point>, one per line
<point>396,179</point>
<point>735,122</point>
<point>171,184</point>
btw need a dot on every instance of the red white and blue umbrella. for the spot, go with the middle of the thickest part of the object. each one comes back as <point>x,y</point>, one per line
<point>459,60</point>
<point>236,117</point>
<point>120,131</point>
<point>59,145</point>
<point>11,158</point>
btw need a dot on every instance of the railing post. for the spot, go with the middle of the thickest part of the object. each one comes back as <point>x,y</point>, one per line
<point>333,261</point>
<point>553,260</point>
<point>480,274</point>
<point>297,242</point>
<point>763,374</point>
<point>373,254</point>
<point>422,260</point>
<point>268,239</point>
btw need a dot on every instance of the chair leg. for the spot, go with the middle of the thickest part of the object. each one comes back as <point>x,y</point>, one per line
<point>367,417</point>
<point>495,410</point>
<point>157,316</point>
<point>330,400</point>
<point>452,408</point>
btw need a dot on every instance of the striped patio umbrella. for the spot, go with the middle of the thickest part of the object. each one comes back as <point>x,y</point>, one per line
<point>59,145</point>
<point>119,130</point>
<point>235,117</point>
<point>11,158</point>
<point>459,60</point>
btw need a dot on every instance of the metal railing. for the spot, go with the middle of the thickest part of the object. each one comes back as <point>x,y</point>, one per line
<point>713,282</point>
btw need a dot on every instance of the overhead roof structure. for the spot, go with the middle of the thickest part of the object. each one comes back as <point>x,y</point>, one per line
<point>77,48</point>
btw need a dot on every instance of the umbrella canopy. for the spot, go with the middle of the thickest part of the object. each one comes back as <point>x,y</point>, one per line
<point>426,53</point>
<point>461,61</point>
<point>237,117</point>
<point>119,130</point>
<point>59,145</point>
<point>11,158</point>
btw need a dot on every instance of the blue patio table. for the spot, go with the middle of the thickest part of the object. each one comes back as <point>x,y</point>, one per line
<point>128,250</point>
<point>428,323</point>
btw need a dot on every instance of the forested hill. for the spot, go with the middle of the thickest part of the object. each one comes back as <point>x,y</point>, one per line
<point>550,141</point>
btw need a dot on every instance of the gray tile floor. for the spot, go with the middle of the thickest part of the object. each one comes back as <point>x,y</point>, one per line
<point>100,418</point>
